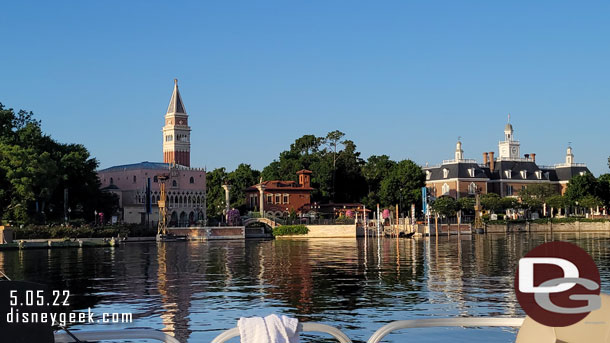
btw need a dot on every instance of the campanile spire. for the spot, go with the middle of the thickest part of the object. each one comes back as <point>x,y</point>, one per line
<point>176,132</point>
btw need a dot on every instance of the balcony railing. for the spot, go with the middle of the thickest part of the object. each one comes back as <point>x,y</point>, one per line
<point>464,160</point>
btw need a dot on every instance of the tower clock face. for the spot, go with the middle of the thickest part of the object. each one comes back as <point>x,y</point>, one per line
<point>514,150</point>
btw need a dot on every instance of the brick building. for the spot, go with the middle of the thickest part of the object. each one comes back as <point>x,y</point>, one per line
<point>185,188</point>
<point>506,175</point>
<point>279,198</point>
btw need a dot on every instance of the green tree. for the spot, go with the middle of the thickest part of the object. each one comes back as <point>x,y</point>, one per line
<point>215,194</point>
<point>507,203</point>
<point>374,171</point>
<point>445,206</point>
<point>491,202</point>
<point>336,167</point>
<point>35,170</point>
<point>581,186</point>
<point>589,202</point>
<point>402,184</point>
<point>466,204</point>
<point>350,185</point>
<point>332,140</point>
<point>535,196</point>
<point>603,189</point>
<point>558,202</point>
<point>240,179</point>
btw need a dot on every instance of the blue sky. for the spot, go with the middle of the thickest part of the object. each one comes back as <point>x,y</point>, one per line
<point>400,78</point>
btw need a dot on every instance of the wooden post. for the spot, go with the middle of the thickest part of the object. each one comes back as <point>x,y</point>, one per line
<point>459,220</point>
<point>397,221</point>
<point>436,227</point>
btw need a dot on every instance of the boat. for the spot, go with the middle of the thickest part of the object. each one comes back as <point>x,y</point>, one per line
<point>590,329</point>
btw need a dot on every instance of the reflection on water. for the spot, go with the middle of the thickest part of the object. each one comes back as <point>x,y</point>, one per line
<point>194,290</point>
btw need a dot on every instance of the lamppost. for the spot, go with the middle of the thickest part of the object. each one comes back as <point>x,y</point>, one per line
<point>69,212</point>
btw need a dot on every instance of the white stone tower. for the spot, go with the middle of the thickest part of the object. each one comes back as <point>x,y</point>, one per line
<point>509,148</point>
<point>459,153</point>
<point>569,156</point>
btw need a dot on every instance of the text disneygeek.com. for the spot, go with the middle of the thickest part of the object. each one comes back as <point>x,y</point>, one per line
<point>16,316</point>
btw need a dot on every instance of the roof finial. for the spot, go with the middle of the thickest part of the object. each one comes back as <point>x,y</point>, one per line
<point>459,138</point>
<point>569,144</point>
<point>175,82</point>
<point>509,117</point>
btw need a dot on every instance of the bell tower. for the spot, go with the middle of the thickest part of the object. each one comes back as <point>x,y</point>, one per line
<point>176,132</point>
<point>509,148</point>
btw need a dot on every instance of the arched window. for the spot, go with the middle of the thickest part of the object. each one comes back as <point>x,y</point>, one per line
<point>445,173</point>
<point>111,181</point>
<point>192,180</point>
<point>134,179</point>
<point>445,189</point>
<point>155,179</point>
<point>174,183</point>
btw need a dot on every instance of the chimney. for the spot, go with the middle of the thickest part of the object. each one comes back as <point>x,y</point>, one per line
<point>527,156</point>
<point>485,158</point>
<point>533,157</point>
<point>492,162</point>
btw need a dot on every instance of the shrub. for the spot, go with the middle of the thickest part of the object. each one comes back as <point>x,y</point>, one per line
<point>344,220</point>
<point>58,231</point>
<point>284,230</point>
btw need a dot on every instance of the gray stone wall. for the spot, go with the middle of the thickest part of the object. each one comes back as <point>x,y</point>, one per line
<point>548,227</point>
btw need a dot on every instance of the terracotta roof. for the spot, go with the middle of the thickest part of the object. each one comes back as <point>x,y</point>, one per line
<point>280,185</point>
<point>304,171</point>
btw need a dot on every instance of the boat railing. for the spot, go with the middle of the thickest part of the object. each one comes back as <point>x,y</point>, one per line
<point>127,334</point>
<point>304,327</point>
<point>443,322</point>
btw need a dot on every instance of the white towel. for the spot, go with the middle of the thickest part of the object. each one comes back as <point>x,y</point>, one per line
<point>271,329</point>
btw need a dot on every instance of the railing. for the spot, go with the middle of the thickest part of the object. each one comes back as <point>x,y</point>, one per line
<point>518,159</point>
<point>314,221</point>
<point>443,322</point>
<point>115,335</point>
<point>563,165</point>
<point>464,160</point>
<point>304,327</point>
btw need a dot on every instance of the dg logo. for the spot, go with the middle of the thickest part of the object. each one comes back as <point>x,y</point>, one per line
<point>558,284</point>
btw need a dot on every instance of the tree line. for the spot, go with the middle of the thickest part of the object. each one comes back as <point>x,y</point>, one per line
<point>36,171</point>
<point>340,175</point>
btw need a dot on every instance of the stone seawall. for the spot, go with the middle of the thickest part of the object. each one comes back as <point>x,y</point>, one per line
<point>329,231</point>
<point>548,227</point>
<point>209,232</point>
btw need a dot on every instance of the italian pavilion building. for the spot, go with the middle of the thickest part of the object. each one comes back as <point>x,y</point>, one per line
<point>185,186</point>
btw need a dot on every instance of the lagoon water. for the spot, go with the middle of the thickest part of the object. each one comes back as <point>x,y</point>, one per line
<point>194,290</point>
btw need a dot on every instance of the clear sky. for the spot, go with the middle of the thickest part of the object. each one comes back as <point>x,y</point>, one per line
<point>402,78</point>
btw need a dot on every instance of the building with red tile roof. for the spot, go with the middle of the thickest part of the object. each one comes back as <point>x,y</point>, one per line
<point>279,197</point>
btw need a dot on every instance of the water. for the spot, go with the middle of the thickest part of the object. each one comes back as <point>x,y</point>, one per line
<point>195,290</point>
